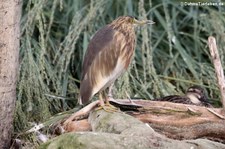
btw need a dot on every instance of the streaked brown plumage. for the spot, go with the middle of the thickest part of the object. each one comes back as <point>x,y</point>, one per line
<point>194,95</point>
<point>108,55</point>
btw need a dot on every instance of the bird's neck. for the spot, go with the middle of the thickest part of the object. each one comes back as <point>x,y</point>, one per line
<point>194,99</point>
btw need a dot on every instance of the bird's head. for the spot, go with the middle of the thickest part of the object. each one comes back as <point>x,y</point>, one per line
<point>129,21</point>
<point>197,94</point>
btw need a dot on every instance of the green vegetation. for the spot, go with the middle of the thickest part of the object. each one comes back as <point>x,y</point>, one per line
<point>171,55</point>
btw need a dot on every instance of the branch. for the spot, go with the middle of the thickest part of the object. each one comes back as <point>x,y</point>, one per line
<point>177,121</point>
<point>218,67</point>
<point>119,130</point>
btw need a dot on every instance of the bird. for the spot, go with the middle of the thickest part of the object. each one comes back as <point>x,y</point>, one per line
<point>194,95</point>
<point>107,57</point>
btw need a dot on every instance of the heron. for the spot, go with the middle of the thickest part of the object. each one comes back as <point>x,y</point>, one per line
<point>107,57</point>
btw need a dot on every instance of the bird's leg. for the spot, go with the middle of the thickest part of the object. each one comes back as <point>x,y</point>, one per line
<point>107,100</point>
<point>105,105</point>
<point>102,104</point>
<point>110,91</point>
<point>110,96</point>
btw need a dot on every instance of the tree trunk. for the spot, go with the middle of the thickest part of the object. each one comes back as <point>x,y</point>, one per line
<point>10,13</point>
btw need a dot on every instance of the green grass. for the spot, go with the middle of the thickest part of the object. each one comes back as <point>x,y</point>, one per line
<point>170,55</point>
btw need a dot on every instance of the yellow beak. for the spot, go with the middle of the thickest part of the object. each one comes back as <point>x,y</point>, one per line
<point>143,22</point>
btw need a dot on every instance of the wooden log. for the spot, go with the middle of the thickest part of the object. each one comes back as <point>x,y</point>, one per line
<point>119,130</point>
<point>177,121</point>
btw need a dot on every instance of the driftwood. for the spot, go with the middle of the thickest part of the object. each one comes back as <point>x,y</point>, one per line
<point>177,121</point>
<point>159,122</point>
<point>181,121</point>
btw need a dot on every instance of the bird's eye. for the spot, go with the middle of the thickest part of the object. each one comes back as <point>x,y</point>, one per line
<point>131,20</point>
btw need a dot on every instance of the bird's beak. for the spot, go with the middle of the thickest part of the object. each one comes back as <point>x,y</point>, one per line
<point>143,22</point>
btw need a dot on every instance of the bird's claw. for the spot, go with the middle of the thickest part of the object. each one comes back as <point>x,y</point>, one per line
<point>108,108</point>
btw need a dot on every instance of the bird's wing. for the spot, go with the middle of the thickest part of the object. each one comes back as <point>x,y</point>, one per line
<point>102,51</point>
<point>175,99</point>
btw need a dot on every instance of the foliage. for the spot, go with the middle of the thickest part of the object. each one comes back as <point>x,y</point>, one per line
<point>171,55</point>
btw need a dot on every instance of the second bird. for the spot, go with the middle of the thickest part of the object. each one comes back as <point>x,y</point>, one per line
<point>194,95</point>
<point>108,55</point>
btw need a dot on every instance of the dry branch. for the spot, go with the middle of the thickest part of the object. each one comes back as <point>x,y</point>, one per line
<point>118,130</point>
<point>218,67</point>
<point>177,121</point>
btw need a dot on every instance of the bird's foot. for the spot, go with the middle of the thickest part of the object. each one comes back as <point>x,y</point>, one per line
<point>111,106</point>
<point>108,108</point>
